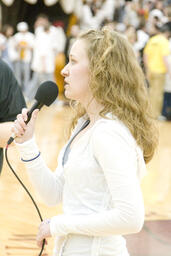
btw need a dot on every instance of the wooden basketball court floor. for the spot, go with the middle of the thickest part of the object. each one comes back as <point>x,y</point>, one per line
<point>19,220</point>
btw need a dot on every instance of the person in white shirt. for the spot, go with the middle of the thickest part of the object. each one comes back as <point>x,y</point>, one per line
<point>103,10</point>
<point>130,13</point>
<point>49,41</point>
<point>23,42</point>
<point>99,169</point>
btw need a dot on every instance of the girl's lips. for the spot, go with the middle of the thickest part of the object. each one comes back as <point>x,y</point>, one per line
<point>66,85</point>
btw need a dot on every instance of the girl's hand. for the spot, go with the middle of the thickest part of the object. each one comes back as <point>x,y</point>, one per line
<point>22,131</point>
<point>44,232</point>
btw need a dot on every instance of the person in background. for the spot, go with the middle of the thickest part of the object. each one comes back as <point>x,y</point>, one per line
<point>23,43</point>
<point>75,30</point>
<point>7,32</point>
<point>131,13</point>
<point>156,53</point>
<point>142,39</point>
<point>131,35</point>
<point>11,103</point>
<point>166,111</point>
<point>167,10</point>
<point>100,167</point>
<point>49,41</point>
<point>95,12</point>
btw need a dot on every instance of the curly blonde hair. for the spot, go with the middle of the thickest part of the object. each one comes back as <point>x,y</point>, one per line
<point>118,83</point>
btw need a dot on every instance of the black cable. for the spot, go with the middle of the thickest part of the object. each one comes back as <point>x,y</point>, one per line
<point>38,211</point>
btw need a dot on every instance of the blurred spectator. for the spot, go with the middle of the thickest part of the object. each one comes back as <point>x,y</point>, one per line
<point>131,35</point>
<point>153,26</point>
<point>166,111</point>
<point>156,63</point>
<point>142,39</point>
<point>70,40</point>
<point>119,11</point>
<point>156,17</point>
<point>131,14</point>
<point>5,39</point>
<point>49,42</point>
<point>120,27</point>
<point>41,21</point>
<point>167,11</point>
<point>23,44</point>
<point>111,25</point>
<point>95,12</point>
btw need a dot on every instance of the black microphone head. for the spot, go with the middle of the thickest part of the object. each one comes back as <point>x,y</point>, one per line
<point>47,93</point>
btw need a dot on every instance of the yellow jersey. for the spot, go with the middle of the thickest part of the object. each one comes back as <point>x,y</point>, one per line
<point>156,49</point>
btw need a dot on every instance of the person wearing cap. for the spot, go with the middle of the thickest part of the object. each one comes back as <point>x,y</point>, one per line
<point>156,53</point>
<point>23,44</point>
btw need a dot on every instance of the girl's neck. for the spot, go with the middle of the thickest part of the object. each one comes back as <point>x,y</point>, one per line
<point>93,109</point>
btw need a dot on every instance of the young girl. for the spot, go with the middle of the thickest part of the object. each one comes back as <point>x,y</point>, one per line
<point>99,169</point>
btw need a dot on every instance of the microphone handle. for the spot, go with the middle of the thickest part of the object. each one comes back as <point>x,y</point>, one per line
<point>36,105</point>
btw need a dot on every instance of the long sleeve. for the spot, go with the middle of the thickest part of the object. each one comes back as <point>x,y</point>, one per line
<point>48,184</point>
<point>115,151</point>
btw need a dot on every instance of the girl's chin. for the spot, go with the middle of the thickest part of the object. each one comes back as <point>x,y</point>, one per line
<point>68,95</point>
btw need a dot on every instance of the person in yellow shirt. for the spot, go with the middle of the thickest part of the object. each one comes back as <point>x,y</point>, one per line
<point>156,55</point>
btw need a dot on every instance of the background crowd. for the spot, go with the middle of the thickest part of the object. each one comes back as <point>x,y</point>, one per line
<point>39,55</point>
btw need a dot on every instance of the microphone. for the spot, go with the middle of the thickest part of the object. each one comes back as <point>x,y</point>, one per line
<point>45,95</point>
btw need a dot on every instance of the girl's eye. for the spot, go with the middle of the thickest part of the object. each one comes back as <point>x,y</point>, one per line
<point>72,61</point>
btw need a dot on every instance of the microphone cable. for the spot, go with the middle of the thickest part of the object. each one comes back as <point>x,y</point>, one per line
<point>45,95</point>
<point>22,184</point>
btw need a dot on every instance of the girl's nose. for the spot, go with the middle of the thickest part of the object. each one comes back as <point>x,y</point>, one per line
<point>64,71</point>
